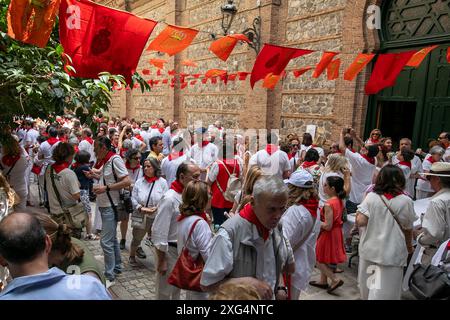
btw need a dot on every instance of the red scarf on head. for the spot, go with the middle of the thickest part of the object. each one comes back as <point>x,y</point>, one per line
<point>161,130</point>
<point>204,143</point>
<point>200,214</point>
<point>430,159</point>
<point>89,139</point>
<point>248,214</point>
<point>311,205</point>
<point>51,141</point>
<point>100,163</point>
<point>307,164</point>
<point>60,166</point>
<point>175,155</point>
<point>369,159</point>
<point>150,180</point>
<point>10,160</point>
<point>177,186</point>
<point>127,165</point>
<point>271,148</point>
<point>406,163</point>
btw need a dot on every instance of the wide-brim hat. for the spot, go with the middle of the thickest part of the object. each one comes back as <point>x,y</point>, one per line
<point>440,169</point>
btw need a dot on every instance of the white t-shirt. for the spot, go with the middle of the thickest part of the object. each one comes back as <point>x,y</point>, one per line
<point>362,172</point>
<point>84,145</point>
<point>16,177</point>
<point>416,167</point>
<point>106,173</point>
<point>145,134</point>
<point>46,151</point>
<point>204,156</point>
<point>136,143</point>
<point>66,182</point>
<point>446,156</point>
<point>275,164</point>
<point>424,185</point>
<point>169,167</point>
<point>31,137</point>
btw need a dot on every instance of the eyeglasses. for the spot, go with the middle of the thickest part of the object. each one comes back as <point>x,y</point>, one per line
<point>375,134</point>
<point>440,138</point>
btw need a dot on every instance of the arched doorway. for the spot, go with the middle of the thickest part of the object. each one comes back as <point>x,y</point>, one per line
<point>418,106</point>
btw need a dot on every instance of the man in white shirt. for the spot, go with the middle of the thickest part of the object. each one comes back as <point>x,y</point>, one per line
<point>164,230</point>
<point>170,164</point>
<point>145,134</point>
<point>272,160</point>
<point>29,141</point>
<point>444,139</point>
<point>87,144</point>
<point>204,152</point>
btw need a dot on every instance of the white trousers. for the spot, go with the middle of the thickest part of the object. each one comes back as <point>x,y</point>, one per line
<point>165,291</point>
<point>378,282</point>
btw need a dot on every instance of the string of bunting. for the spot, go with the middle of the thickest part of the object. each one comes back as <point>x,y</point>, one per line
<point>97,39</point>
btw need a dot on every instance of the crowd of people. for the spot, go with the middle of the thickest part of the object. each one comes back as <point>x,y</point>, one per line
<point>260,212</point>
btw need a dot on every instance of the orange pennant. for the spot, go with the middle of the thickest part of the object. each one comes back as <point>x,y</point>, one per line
<point>333,69</point>
<point>298,72</point>
<point>214,73</point>
<point>418,57</point>
<point>173,39</point>
<point>32,21</point>
<point>357,65</point>
<point>159,63</point>
<point>189,63</point>
<point>271,80</point>
<point>222,47</point>
<point>327,57</point>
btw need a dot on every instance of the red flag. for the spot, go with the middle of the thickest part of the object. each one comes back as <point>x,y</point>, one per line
<point>298,72</point>
<point>159,63</point>
<point>357,65</point>
<point>333,69</point>
<point>243,75</point>
<point>193,82</point>
<point>270,81</point>
<point>204,80</point>
<point>173,39</point>
<point>165,81</point>
<point>188,63</point>
<point>273,59</point>
<point>98,38</point>
<point>146,72</point>
<point>222,47</point>
<point>327,57</point>
<point>184,85</point>
<point>386,70</point>
<point>32,21</point>
<point>418,57</point>
<point>171,72</point>
<point>232,76</point>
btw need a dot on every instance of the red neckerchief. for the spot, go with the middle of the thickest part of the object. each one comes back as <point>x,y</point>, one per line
<point>311,205</point>
<point>291,155</point>
<point>154,127</point>
<point>139,137</point>
<point>375,141</point>
<point>271,148</point>
<point>390,196</point>
<point>406,163</point>
<point>204,143</point>
<point>307,164</point>
<point>76,149</point>
<point>220,128</point>
<point>100,163</point>
<point>60,166</point>
<point>52,140</point>
<point>63,139</point>
<point>161,130</point>
<point>10,160</point>
<point>150,180</point>
<point>75,165</point>
<point>200,214</point>
<point>89,139</point>
<point>175,155</point>
<point>369,159</point>
<point>248,214</point>
<point>177,186</point>
<point>430,159</point>
<point>127,165</point>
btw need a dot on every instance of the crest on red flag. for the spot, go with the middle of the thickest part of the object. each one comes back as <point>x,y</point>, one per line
<point>173,39</point>
<point>101,40</point>
<point>273,59</point>
<point>333,69</point>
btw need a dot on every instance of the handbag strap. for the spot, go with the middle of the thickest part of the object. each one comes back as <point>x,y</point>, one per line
<point>149,194</point>
<point>58,196</point>
<point>190,232</point>
<point>392,212</point>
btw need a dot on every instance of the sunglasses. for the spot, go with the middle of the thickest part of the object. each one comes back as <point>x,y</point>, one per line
<point>440,138</point>
<point>375,134</point>
<point>294,145</point>
<point>136,158</point>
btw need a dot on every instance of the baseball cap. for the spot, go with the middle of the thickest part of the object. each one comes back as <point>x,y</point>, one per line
<point>301,178</point>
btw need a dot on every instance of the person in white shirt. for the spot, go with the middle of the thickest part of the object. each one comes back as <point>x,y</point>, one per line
<point>170,164</point>
<point>301,227</point>
<point>87,143</point>
<point>145,134</point>
<point>444,139</point>
<point>204,152</point>
<point>405,157</point>
<point>146,195</point>
<point>272,160</point>
<point>164,230</point>
<point>194,231</point>
<point>385,213</point>
<point>29,141</point>
<point>423,188</point>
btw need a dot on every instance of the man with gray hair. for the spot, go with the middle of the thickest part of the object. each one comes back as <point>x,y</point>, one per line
<point>250,248</point>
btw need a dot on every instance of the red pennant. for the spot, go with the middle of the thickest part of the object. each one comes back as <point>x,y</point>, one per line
<point>222,47</point>
<point>165,81</point>
<point>273,59</point>
<point>172,85</point>
<point>224,78</point>
<point>232,76</point>
<point>386,70</point>
<point>214,73</point>
<point>98,38</point>
<point>271,80</point>
<point>150,82</point>
<point>327,57</point>
<point>193,82</point>
<point>214,80</point>
<point>333,69</point>
<point>196,75</point>
<point>418,57</point>
<point>243,75</point>
<point>145,72</point>
<point>173,39</point>
<point>204,80</point>
<point>159,73</point>
<point>171,72</point>
<point>136,85</point>
<point>159,63</point>
<point>155,82</point>
<point>189,63</point>
<point>298,72</point>
<point>357,65</point>
<point>184,85</point>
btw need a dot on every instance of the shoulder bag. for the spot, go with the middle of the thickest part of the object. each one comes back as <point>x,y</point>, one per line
<point>234,183</point>
<point>186,273</point>
<point>138,219</point>
<point>74,216</point>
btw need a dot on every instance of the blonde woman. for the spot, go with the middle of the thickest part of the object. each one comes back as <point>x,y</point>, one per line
<point>195,199</point>
<point>243,197</point>
<point>336,165</point>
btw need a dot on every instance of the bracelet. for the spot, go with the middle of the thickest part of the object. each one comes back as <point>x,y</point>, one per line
<point>108,188</point>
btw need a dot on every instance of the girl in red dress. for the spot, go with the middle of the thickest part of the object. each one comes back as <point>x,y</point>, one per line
<point>330,244</point>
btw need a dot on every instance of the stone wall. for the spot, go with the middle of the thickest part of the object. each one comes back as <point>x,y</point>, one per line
<point>331,25</point>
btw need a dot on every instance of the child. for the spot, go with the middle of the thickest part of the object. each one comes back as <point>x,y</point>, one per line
<point>405,158</point>
<point>330,244</point>
<point>82,164</point>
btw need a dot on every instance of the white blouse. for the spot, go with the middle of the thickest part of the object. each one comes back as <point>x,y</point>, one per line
<point>141,190</point>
